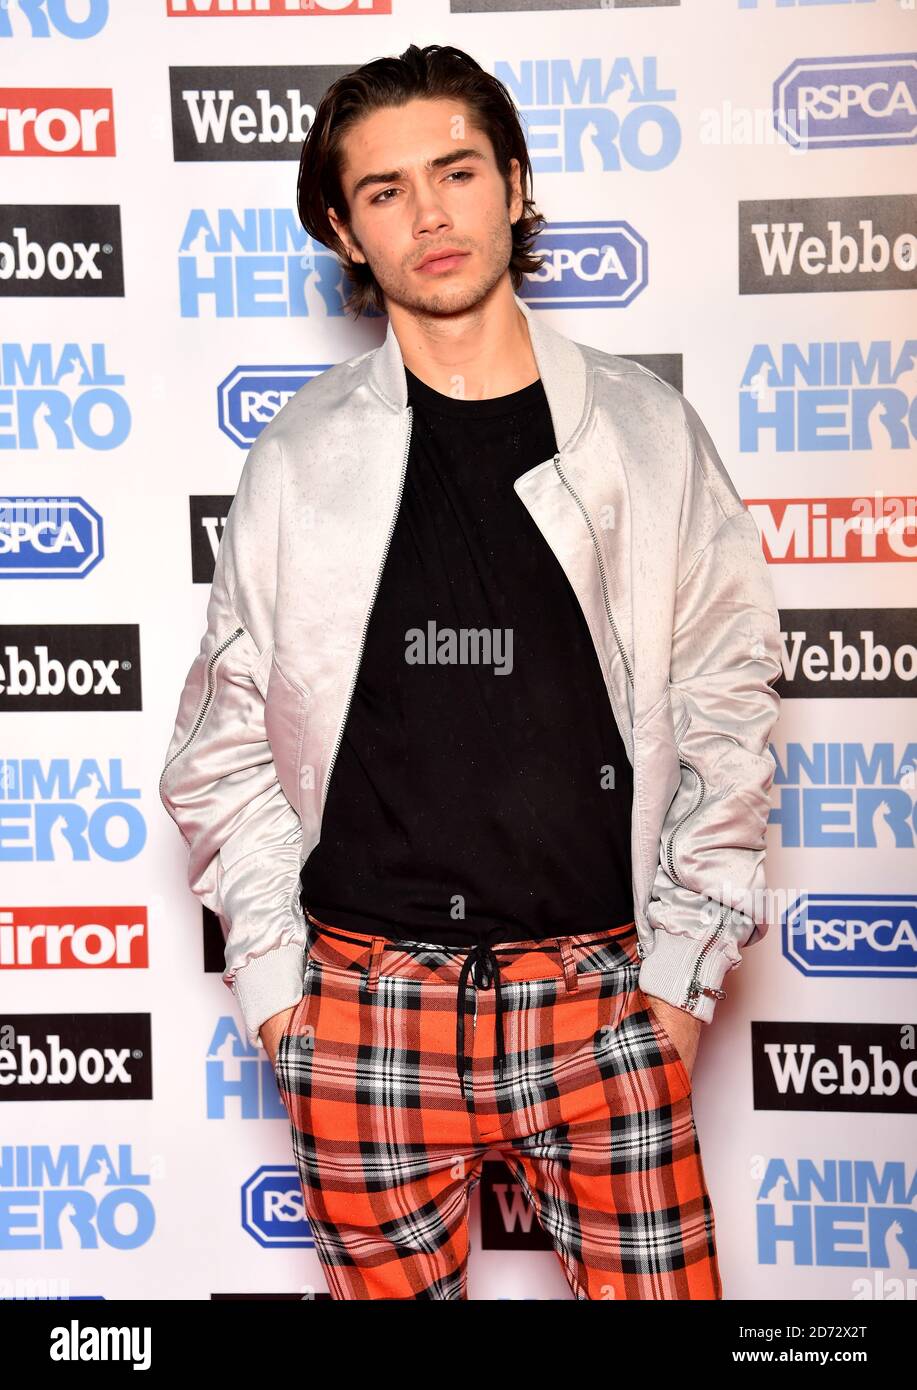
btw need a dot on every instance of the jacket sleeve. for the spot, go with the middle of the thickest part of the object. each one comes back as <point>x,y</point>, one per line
<point>219,783</point>
<point>709,893</point>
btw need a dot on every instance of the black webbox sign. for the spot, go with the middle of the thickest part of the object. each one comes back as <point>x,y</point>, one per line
<point>245,113</point>
<point>70,666</point>
<point>207,516</point>
<point>855,1068</point>
<point>75,1057</point>
<point>849,652</point>
<point>63,249</point>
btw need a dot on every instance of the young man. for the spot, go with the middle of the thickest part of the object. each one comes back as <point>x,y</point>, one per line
<point>473,761</point>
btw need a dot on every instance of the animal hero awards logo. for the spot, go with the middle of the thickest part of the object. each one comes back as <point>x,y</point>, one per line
<point>829,396</point>
<point>45,19</point>
<point>838,103</point>
<point>240,1078</point>
<point>65,1197</point>
<point>846,795</point>
<point>63,809</point>
<point>57,397</point>
<point>594,115</point>
<point>837,1213</point>
<point>257,263</point>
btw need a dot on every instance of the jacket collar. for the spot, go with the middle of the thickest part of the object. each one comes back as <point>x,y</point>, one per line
<point>560,361</point>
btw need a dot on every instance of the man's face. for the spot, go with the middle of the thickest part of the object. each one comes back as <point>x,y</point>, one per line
<point>400,210</point>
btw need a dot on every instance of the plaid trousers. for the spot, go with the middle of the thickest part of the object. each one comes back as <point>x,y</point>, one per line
<point>568,1075</point>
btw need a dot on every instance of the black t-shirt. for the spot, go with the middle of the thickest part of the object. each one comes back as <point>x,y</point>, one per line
<point>484,797</point>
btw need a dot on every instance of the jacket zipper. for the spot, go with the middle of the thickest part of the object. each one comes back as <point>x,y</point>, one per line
<point>356,669</point>
<point>607,601</point>
<point>205,703</point>
<point>693,989</point>
<point>670,843</point>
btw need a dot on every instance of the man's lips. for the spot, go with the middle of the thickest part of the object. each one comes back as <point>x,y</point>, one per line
<point>443,263</point>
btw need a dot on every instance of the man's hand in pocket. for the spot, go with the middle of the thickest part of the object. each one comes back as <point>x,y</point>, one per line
<point>272,1028</point>
<point>683,1029</point>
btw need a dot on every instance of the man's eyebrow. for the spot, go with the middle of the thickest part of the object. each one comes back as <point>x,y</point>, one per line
<point>440,162</point>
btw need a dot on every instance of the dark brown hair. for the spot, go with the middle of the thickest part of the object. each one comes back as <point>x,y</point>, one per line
<point>435,71</point>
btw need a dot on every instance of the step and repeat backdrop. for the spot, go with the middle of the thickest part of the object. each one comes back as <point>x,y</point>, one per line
<point>730,195</point>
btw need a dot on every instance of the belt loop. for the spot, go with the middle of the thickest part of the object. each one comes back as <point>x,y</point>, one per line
<point>375,961</point>
<point>570,976</point>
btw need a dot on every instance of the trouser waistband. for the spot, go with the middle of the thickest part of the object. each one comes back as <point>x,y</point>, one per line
<point>481,963</point>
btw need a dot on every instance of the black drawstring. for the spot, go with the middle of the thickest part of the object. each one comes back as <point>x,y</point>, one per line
<point>483,961</point>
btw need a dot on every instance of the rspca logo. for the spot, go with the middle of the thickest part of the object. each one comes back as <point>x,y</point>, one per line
<point>61,250</point>
<point>866,936</point>
<point>64,810</point>
<point>588,265</point>
<point>845,796</point>
<point>250,397</point>
<point>273,1211</point>
<point>42,19</point>
<point>49,538</point>
<point>838,103</point>
<point>258,263</point>
<point>595,116</point>
<point>55,397</point>
<point>241,1080</point>
<point>830,395</point>
<point>76,1199</point>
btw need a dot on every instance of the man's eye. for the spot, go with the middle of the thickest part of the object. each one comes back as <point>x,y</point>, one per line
<point>454,173</point>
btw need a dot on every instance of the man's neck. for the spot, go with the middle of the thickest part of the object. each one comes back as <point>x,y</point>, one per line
<point>478,354</point>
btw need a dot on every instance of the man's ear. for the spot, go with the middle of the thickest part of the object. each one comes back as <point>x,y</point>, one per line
<point>343,232</point>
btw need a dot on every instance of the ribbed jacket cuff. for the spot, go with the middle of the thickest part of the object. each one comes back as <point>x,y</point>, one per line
<point>268,984</point>
<point>669,971</point>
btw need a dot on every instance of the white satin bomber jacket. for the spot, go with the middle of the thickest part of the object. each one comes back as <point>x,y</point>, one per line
<point>664,558</point>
